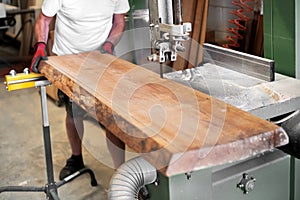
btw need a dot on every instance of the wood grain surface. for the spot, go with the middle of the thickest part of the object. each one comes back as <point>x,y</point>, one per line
<point>176,128</point>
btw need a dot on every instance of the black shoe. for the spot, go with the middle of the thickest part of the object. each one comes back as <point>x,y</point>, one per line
<point>72,166</point>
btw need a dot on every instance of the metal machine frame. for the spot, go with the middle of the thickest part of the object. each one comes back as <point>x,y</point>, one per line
<point>167,30</point>
<point>228,75</point>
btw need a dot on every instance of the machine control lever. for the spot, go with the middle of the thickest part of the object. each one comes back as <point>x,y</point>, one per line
<point>247,183</point>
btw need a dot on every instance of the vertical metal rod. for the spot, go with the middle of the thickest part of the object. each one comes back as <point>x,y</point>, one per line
<point>161,70</point>
<point>43,96</point>
<point>177,12</point>
<point>47,145</point>
<point>161,11</point>
<point>153,21</point>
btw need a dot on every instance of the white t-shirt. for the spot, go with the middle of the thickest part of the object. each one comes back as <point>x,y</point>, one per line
<point>82,25</point>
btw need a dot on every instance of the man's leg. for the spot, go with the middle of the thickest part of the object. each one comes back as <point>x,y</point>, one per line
<point>75,129</point>
<point>116,148</point>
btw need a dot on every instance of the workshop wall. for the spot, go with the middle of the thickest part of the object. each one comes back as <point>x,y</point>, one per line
<point>225,15</point>
<point>140,4</point>
<point>297,42</point>
<point>217,21</point>
<point>279,34</point>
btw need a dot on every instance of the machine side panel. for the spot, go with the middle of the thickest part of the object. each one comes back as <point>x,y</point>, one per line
<point>271,173</point>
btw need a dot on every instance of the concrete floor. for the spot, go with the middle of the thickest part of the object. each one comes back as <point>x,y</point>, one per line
<point>22,150</point>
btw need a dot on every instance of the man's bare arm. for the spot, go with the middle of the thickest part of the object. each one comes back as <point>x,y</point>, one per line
<point>117,29</point>
<point>41,28</point>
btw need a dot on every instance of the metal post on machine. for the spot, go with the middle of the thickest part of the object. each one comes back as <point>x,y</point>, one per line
<point>177,12</point>
<point>167,31</point>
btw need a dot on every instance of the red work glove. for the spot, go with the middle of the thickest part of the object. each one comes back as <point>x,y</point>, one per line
<point>39,54</point>
<point>107,47</point>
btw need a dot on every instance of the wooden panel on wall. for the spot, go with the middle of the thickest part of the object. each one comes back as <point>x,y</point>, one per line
<point>188,14</point>
<point>194,11</point>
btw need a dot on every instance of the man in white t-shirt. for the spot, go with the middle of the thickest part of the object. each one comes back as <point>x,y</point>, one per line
<point>81,25</point>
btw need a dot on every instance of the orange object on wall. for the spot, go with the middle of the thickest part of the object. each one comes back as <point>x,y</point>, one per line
<point>239,23</point>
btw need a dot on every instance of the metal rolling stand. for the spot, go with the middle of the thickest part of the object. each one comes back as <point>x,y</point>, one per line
<point>27,80</point>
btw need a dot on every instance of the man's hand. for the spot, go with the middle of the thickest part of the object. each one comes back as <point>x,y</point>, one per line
<point>39,54</point>
<point>107,47</point>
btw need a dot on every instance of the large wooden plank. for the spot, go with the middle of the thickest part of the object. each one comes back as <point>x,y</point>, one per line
<point>176,128</point>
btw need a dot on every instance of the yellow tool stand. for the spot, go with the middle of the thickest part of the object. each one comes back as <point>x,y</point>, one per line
<point>27,79</point>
